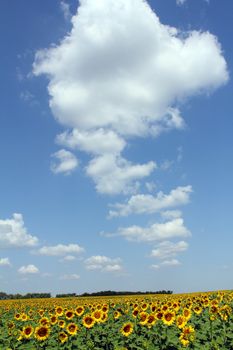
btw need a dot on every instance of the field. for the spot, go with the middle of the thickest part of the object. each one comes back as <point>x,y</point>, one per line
<point>165,322</point>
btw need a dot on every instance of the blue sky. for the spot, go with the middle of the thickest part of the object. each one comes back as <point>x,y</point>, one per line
<point>116,145</point>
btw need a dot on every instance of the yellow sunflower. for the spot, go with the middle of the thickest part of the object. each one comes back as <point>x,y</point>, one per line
<point>97,314</point>
<point>168,317</point>
<point>72,328</point>
<point>127,329</point>
<point>42,332</point>
<point>79,310</point>
<point>63,337</point>
<point>88,321</point>
<point>69,314</point>
<point>27,332</point>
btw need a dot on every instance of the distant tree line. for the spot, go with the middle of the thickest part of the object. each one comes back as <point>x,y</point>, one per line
<point>111,293</point>
<point>5,296</point>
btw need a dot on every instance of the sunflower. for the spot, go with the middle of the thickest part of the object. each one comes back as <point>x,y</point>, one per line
<point>27,332</point>
<point>168,317</point>
<point>144,306</point>
<point>187,313</point>
<point>197,309</point>
<point>72,328</point>
<point>61,323</point>
<point>150,321</point>
<point>44,321</point>
<point>143,318</point>
<point>59,310</point>
<point>187,335</point>
<point>69,314</point>
<point>181,321</point>
<point>135,312</point>
<point>88,321</point>
<point>53,319</point>
<point>17,316</point>
<point>116,315</point>
<point>79,310</point>
<point>63,337</point>
<point>24,317</point>
<point>97,314</point>
<point>104,317</point>
<point>127,329</point>
<point>42,332</point>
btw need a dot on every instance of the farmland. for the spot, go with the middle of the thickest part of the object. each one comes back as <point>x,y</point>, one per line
<point>165,322</point>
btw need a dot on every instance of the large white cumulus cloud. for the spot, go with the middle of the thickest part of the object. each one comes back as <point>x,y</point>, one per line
<point>121,72</point>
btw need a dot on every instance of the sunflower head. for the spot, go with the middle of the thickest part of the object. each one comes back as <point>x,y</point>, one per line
<point>127,329</point>
<point>27,332</point>
<point>42,333</point>
<point>88,321</point>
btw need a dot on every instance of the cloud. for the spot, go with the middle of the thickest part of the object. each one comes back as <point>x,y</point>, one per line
<point>103,263</point>
<point>60,250</point>
<point>156,232</point>
<point>65,8</point>
<point>149,204</point>
<point>68,258</point>
<point>29,269</point>
<point>114,175</point>
<point>5,262</point>
<point>180,2</point>
<point>121,73</point>
<point>167,249</point>
<point>64,162</point>
<point>13,233</point>
<point>72,276</point>
<point>172,262</point>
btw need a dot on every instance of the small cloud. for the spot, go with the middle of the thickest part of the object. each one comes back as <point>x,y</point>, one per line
<point>68,258</point>
<point>167,164</point>
<point>64,162</point>
<point>180,2</point>
<point>149,204</point>
<point>65,8</point>
<point>173,262</point>
<point>5,262</point>
<point>60,250</point>
<point>103,263</point>
<point>29,269</point>
<point>155,232</point>
<point>13,233</point>
<point>155,266</point>
<point>68,277</point>
<point>167,249</point>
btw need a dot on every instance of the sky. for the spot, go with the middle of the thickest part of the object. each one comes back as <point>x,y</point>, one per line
<point>116,145</point>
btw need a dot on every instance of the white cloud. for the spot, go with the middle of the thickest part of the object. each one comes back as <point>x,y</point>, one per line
<point>72,276</point>
<point>148,204</point>
<point>13,233</point>
<point>171,214</point>
<point>64,162</point>
<point>141,71</point>
<point>5,262</point>
<point>114,175</point>
<point>29,269</point>
<point>155,232</point>
<point>103,263</point>
<point>68,258</point>
<point>180,2</point>
<point>60,250</point>
<point>173,262</point>
<point>167,249</point>
<point>65,8</point>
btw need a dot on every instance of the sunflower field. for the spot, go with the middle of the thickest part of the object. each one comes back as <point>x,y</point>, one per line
<point>165,322</point>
